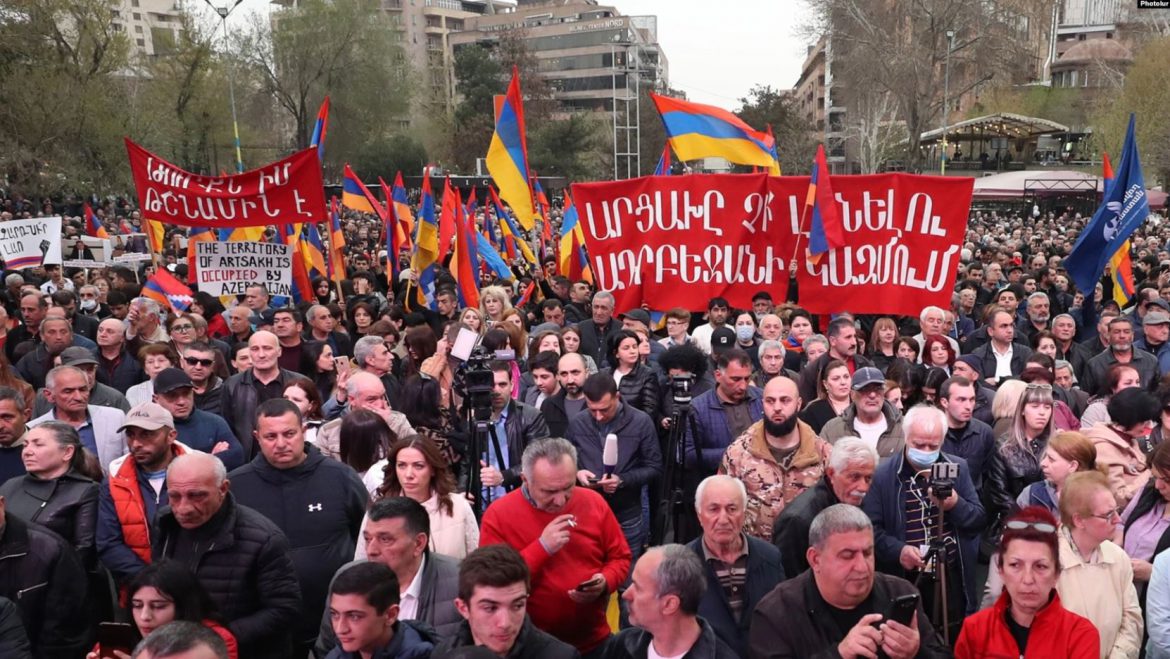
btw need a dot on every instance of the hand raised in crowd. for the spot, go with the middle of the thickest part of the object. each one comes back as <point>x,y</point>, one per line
<point>490,476</point>
<point>863,640</point>
<point>900,641</point>
<point>556,534</point>
<point>911,558</point>
<point>590,593</point>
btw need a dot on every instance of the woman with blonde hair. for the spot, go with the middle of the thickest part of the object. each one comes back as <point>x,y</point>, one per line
<point>1016,463</point>
<point>1003,406</point>
<point>493,302</point>
<point>883,341</point>
<point>1067,453</point>
<point>473,319</point>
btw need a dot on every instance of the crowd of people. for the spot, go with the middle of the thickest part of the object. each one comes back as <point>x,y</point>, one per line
<point>269,479</point>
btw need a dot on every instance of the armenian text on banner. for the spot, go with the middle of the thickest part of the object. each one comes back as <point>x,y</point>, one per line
<point>282,192</point>
<point>229,268</point>
<point>679,241</point>
<point>29,243</point>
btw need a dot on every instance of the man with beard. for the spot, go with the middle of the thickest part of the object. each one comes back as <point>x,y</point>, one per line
<point>1121,351</point>
<point>778,457</point>
<point>1064,329</point>
<point>869,416</point>
<point>1038,316</point>
<point>560,408</point>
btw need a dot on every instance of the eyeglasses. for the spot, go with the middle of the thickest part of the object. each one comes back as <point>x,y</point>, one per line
<point>1020,525</point>
<point>205,363</point>
<point>1038,386</point>
<point>1108,517</point>
<point>182,328</point>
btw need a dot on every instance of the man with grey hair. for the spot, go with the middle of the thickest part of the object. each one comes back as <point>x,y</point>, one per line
<point>181,639</point>
<point>363,391</point>
<point>932,321</point>
<point>848,476</point>
<point>573,571</point>
<point>56,334</point>
<point>239,556</point>
<point>665,592</point>
<point>372,356</point>
<point>905,504</point>
<point>730,555</point>
<point>67,390</point>
<point>771,358</point>
<point>144,324</point>
<point>838,606</point>
<point>595,331</point>
<point>322,327</point>
<point>1037,318</point>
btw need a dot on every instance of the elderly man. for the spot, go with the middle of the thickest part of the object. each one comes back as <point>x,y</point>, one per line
<point>144,324</point>
<point>246,391</point>
<point>842,337</point>
<point>33,306</point>
<point>256,299</point>
<point>905,508</point>
<point>56,335</point>
<point>67,390</point>
<point>771,357</point>
<point>664,596</point>
<point>318,503</point>
<point>1064,329</point>
<point>197,429</point>
<point>494,587</point>
<point>932,321</point>
<point>117,368</point>
<point>239,320</point>
<point>730,556</point>
<point>848,476</point>
<point>397,534</point>
<point>323,328</point>
<point>372,356</point>
<point>1037,319</point>
<point>777,458</point>
<point>596,330</point>
<point>723,413</point>
<point>837,607</point>
<point>1121,350</point>
<point>869,416</point>
<point>363,391</point>
<point>570,540</point>
<point>99,394</point>
<point>239,556</point>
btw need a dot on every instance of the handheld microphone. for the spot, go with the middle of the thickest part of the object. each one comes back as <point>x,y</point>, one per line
<point>609,456</point>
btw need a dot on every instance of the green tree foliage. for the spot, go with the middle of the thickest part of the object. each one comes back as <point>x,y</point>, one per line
<point>765,106</point>
<point>1145,92</point>
<point>347,49</point>
<point>573,147</point>
<point>62,117</point>
<point>386,155</point>
<point>478,78</point>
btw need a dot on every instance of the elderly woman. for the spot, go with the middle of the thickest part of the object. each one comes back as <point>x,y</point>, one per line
<point>1120,443</point>
<point>1029,618</point>
<point>1097,577</point>
<point>493,302</point>
<point>815,346</point>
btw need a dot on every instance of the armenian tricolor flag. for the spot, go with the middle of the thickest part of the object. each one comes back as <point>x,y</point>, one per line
<point>165,288</point>
<point>1121,263</point>
<point>507,156</point>
<point>93,226</point>
<point>302,288</point>
<point>426,246</point>
<point>336,243</point>
<point>448,218</point>
<point>356,196</point>
<point>663,166</point>
<point>512,238</point>
<point>826,230</point>
<point>465,258</point>
<point>401,209</point>
<point>699,131</point>
<point>319,128</point>
<point>313,251</point>
<point>573,263</point>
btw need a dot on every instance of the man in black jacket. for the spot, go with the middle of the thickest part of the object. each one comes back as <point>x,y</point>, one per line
<point>318,503</point>
<point>848,475</point>
<point>239,556</point>
<point>244,392</point>
<point>43,575</point>
<point>116,368</point>
<point>595,331</point>
<point>570,401</point>
<point>494,585</point>
<point>516,425</point>
<point>322,328</point>
<point>638,459</point>
<point>831,609</point>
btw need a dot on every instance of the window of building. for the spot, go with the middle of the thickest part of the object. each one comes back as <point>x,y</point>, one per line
<point>137,16</point>
<point>138,29</point>
<point>133,3</point>
<point>141,43</point>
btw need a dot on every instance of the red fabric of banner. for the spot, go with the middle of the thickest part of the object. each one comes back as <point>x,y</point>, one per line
<point>681,240</point>
<point>282,192</point>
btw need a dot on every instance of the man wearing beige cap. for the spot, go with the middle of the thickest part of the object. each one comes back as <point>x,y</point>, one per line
<point>136,488</point>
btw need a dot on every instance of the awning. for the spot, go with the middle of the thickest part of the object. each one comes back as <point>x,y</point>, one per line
<point>996,125</point>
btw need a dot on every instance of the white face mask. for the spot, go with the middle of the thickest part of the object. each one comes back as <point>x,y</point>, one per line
<point>88,304</point>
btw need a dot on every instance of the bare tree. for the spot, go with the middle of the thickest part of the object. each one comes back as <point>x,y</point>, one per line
<point>873,125</point>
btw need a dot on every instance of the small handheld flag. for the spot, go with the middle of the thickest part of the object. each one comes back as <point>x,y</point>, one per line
<point>93,226</point>
<point>319,129</point>
<point>165,288</point>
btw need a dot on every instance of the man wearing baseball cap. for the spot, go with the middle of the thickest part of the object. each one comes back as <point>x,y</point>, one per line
<point>1155,338</point>
<point>135,490</point>
<point>869,416</point>
<point>203,431</point>
<point>99,394</point>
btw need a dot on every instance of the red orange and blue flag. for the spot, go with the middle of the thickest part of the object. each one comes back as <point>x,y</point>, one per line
<point>93,226</point>
<point>826,231</point>
<point>165,288</point>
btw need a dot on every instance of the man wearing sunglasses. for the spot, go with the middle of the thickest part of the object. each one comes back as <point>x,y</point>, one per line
<point>198,363</point>
<point>202,431</point>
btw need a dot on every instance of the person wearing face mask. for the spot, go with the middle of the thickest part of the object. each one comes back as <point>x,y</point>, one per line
<point>905,511</point>
<point>1122,442</point>
<point>746,339</point>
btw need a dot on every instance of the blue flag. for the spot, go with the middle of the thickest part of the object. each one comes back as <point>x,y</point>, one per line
<point>1123,209</point>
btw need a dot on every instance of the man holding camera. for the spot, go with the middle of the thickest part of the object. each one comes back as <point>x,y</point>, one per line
<point>904,502</point>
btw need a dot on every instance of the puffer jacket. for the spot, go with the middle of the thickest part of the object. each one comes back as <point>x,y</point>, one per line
<point>1012,469</point>
<point>319,505</point>
<point>66,505</point>
<point>44,576</point>
<point>769,485</point>
<point>239,402</point>
<point>248,572</point>
<point>531,643</point>
<point>711,423</point>
<point>639,389</point>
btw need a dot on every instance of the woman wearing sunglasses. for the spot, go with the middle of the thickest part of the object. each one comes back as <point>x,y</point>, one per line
<point>1097,577</point>
<point>1028,619</point>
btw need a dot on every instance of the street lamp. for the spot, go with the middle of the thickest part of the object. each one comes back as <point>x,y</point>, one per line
<point>942,162</point>
<point>224,12</point>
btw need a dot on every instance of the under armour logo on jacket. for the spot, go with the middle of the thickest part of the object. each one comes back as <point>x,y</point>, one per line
<point>316,507</point>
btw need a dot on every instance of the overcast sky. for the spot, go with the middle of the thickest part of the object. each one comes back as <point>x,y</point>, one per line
<point>719,49</point>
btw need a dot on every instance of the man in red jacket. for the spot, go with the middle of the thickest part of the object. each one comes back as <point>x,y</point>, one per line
<point>571,541</point>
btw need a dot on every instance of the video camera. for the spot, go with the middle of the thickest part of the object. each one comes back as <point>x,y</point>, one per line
<point>680,388</point>
<point>942,479</point>
<point>474,380</point>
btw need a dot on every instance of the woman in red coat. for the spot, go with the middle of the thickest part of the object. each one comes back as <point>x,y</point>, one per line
<point>1028,621</point>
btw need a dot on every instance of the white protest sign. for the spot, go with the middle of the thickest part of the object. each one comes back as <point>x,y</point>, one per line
<point>230,268</point>
<point>29,243</point>
<point>99,250</point>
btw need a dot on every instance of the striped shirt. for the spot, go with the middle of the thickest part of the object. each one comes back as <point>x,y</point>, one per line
<point>732,576</point>
<point>922,512</point>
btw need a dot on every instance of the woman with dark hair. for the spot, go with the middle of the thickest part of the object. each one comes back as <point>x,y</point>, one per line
<point>637,383</point>
<point>938,353</point>
<point>1044,342</point>
<point>364,439</point>
<point>931,383</point>
<point>1118,377</point>
<point>1120,449</point>
<point>907,348</point>
<point>416,469</point>
<point>571,338</point>
<point>833,387</point>
<point>1028,619</point>
<point>362,316</point>
<point>421,343</point>
<point>305,395</point>
<point>211,309</point>
<point>317,364</point>
<point>420,400</point>
<point>167,591</point>
<point>56,492</point>
<point>322,291</point>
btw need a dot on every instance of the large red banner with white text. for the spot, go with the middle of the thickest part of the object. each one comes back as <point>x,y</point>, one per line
<point>677,241</point>
<point>284,192</point>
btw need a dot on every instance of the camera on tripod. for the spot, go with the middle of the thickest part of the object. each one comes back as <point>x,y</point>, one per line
<point>680,388</point>
<point>942,479</point>
<point>474,380</point>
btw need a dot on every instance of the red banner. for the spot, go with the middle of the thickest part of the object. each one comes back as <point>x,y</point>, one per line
<point>681,240</point>
<point>282,192</point>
